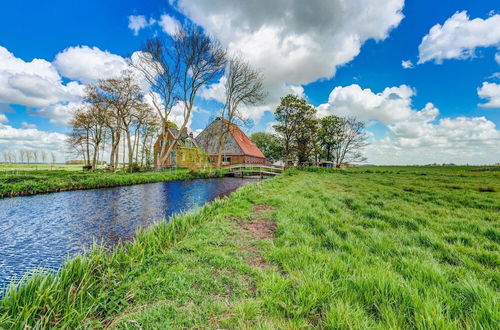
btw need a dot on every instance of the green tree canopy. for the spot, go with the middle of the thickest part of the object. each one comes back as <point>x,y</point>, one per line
<point>269,144</point>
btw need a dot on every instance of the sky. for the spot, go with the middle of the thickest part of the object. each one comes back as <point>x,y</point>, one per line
<point>423,75</point>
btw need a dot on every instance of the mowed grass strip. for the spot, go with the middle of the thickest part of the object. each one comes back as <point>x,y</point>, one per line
<point>362,248</point>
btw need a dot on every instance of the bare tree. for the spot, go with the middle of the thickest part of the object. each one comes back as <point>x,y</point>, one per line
<point>97,119</point>
<point>201,60</point>
<point>53,158</point>
<point>43,153</point>
<point>125,97</point>
<point>76,143</point>
<point>160,67</point>
<point>29,154</point>
<point>80,136</point>
<point>148,133</point>
<point>34,154</point>
<point>351,139</point>
<point>243,87</point>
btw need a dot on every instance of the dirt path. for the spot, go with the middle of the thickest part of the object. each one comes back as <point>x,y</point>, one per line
<point>259,227</point>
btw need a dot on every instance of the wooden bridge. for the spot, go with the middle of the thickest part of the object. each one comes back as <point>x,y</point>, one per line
<point>252,170</point>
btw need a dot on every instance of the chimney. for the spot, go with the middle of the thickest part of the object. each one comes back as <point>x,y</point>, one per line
<point>191,135</point>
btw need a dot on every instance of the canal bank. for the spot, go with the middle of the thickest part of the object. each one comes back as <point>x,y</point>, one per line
<point>33,182</point>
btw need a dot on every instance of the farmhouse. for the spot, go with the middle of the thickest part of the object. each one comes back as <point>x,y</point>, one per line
<point>237,147</point>
<point>185,153</point>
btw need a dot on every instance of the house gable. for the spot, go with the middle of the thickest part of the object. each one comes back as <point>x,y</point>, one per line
<point>207,140</point>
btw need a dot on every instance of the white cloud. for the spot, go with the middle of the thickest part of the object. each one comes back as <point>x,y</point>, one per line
<point>36,83</point>
<point>294,43</point>
<point>60,113</point>
<point>19,138</point>
<point>415,136</point>
<point>461,140</point>
<point>3,118</point>
<point>497,58</point>
<point>169,24</point>
<point>491,92</point>
<point>27,125</point>
<point>88,64</point>
<point>139,22</point>
<point>177,114</point>
<point>407,64</point>
<point>215,91</point>
<point>458,38</point>
<point>391,105</point>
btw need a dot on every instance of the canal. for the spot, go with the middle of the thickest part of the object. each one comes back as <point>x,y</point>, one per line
<point>43,230</point>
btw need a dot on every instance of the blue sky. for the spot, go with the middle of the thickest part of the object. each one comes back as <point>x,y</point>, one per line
<point>322,56</point>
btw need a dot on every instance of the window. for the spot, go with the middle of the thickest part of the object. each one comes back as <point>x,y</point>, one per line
<point>161,143</point>
<point>226,159</point>
<point>171,142</point>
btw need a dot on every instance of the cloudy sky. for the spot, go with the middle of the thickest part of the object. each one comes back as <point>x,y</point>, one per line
<point>424,75</point>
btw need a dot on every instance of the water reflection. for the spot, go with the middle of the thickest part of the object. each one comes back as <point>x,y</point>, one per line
<point>42,230</point>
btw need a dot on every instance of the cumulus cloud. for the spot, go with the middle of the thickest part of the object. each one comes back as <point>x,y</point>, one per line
<point>497,58</point>
<point>30,138</point>
<point>3,118</point>
<point>459,140</point>
<point>36,83</point>
<point>415,136</point>
<point>393,104</point>
<point>169,24</point>
<point>59,113</point>
<point>458,38</point>
<point>291,43</point>
<point>490,92</point>
<point>407,64</point>
<point>139,22</point>
<point>88,64</point>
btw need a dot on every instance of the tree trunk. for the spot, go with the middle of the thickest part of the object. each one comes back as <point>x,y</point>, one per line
<point>88,149</point>
<point>130,150</point>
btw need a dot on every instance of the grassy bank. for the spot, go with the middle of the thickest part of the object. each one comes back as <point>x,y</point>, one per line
<point>359,248</point>
<point>29,182</point>
<point>37,167</point>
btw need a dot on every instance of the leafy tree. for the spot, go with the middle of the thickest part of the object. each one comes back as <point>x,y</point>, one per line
<point>269,144</point>
<point>295,127</point>
<point>328,134</point>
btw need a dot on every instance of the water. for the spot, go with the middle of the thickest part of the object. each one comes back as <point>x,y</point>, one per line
<point>42,230</point>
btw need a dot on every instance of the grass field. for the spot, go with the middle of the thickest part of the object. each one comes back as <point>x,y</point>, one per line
<point>35,167</point>
<point>362,248</point>
<point>28,181</point>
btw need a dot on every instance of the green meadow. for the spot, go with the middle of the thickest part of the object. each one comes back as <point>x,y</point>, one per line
<point>360,248</point>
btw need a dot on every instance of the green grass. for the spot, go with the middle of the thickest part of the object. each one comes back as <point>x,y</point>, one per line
<point>28,182</point>
<point>361,248</point>
<point>38,167</point>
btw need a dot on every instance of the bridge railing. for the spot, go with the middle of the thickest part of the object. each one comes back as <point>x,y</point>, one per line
<point>254,168</point>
